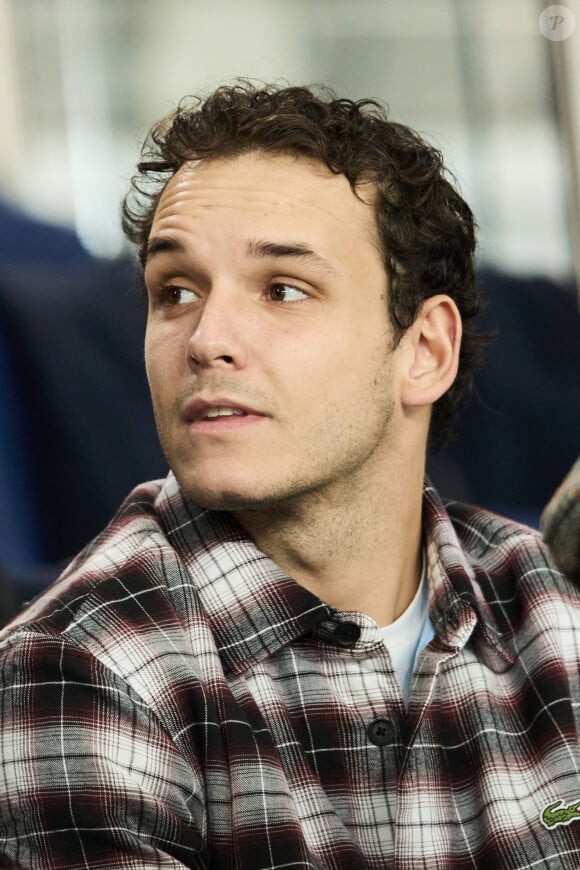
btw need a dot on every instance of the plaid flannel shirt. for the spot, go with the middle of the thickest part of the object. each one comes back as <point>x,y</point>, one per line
<point>175,700</point>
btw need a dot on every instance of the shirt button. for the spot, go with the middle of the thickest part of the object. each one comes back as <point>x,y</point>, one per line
<point>195,841</point>
<point>381,732</point>
<point>452,620</point>
<point>346,633</point>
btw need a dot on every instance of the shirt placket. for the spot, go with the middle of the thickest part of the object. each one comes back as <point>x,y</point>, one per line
<point>427,814</point>
<point>364,739</point>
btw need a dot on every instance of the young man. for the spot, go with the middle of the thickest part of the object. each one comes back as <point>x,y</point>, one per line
<point>290,654</point>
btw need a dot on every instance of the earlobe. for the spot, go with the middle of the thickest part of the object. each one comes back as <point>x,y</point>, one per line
<point>432,352</point>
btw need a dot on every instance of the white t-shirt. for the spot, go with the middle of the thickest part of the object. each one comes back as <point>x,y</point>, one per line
<point>407,636</point>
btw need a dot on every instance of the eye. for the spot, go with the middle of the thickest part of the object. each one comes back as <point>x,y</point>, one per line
<point>174,295</point>
<point>286,293</point>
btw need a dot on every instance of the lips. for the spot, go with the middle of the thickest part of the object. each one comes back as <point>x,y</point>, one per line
<point>217,409</point>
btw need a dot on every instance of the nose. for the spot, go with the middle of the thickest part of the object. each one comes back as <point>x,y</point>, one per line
<point>217,339</point>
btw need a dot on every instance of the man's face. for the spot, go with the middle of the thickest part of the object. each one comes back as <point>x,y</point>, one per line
<point>267,296</point>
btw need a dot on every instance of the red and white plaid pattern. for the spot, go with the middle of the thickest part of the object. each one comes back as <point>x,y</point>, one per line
<point>175,700</point>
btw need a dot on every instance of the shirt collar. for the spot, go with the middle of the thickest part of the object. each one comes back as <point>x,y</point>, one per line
<point>255,609</point>
<point>458,604</point>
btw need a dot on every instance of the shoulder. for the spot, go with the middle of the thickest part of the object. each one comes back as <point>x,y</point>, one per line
<point>468,535</point>
<point>514,572</point>
<point>121,548</point>
<point>492,538</point>
<point>124,592</point>
<point>496,542</point>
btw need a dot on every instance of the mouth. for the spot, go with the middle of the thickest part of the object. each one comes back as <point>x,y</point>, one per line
<point>219,415</point>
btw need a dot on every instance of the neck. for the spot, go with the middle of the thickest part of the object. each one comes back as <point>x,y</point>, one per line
<point>355,553</point>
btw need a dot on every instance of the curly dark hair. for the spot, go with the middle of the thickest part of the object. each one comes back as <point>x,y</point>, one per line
<point>426,229</point>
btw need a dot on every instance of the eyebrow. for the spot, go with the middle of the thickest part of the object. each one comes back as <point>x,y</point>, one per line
<point>296,250</point>
<point>255,248</point>
<point>161,244</point>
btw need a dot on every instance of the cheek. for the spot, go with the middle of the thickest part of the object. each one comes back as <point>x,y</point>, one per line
<point>151,363</point>
<point>163,354</point>
<point>315,376</point>
<point>305,364</point>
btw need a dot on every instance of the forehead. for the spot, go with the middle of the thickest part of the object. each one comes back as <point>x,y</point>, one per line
<point>262,188</point>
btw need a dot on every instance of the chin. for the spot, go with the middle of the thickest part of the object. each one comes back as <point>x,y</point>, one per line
<point>218,496</point>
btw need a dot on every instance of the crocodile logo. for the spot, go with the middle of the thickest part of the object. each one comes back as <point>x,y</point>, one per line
<point>558,814</point>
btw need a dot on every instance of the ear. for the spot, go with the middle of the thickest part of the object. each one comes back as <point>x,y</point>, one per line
<point>431,352</point>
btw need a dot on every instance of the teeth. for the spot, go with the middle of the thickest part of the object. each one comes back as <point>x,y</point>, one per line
<point>222,412</point>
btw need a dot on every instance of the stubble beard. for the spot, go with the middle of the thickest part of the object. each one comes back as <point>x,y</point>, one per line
<point>328,478</point>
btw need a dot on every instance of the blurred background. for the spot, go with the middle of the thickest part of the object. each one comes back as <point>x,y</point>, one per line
<point>495,85</point>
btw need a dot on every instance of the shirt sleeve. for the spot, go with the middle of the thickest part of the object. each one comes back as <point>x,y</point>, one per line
<point>89,778</point>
